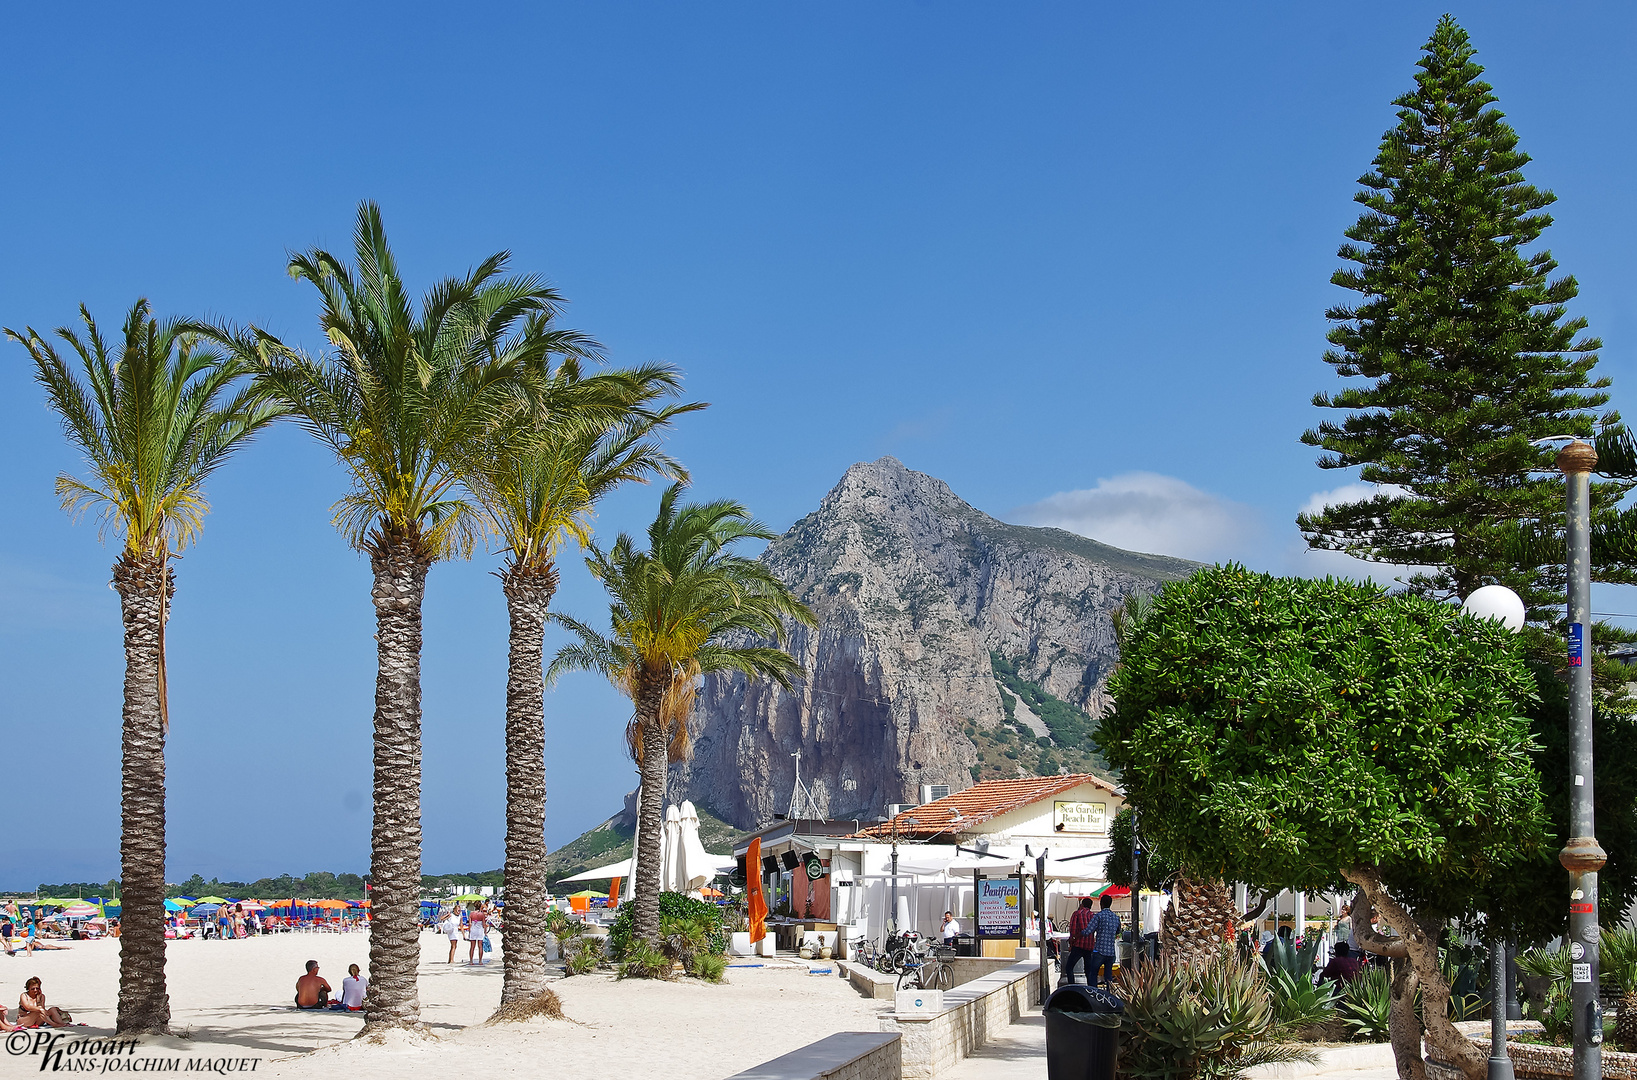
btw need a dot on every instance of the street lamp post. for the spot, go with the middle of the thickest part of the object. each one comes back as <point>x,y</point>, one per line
<point>1581,856</point>
<point>1500,603</point>
<point>892,889</point>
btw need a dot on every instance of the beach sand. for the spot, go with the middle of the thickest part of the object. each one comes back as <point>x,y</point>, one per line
<point>230,1003</point>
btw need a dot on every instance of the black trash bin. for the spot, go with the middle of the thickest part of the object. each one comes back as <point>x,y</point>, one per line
<point>1082,1033</point>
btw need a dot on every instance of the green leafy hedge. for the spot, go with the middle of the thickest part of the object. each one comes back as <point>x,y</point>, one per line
<point>673,907</point>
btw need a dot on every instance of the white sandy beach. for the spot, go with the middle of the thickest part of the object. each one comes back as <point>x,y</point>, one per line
<point>230,1002</point>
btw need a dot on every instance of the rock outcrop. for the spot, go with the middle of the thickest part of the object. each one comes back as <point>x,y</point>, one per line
<point>913,589</point>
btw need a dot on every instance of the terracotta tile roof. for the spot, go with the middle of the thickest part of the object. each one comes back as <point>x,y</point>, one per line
<point>977,804</point>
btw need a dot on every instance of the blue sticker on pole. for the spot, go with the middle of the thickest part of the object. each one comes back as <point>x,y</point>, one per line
<point>1577,638</point>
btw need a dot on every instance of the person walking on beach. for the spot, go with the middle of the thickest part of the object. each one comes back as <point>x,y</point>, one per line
<point>477,932</point>
<point>451,929</point>
<point>6,930</point>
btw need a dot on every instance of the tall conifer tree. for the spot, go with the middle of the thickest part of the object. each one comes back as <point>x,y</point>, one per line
<point>1466,343</point>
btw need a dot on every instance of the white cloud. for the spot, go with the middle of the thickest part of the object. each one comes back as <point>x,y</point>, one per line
<point>1148,512</point>
<point>1303,561</point>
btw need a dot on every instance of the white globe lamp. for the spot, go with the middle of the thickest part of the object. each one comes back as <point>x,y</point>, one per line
<point>1496,602</point>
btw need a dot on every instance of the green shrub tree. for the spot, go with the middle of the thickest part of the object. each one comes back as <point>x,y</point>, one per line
<point>1292,733</point>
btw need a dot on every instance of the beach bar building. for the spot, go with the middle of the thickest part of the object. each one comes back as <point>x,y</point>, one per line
<point>837,876</point>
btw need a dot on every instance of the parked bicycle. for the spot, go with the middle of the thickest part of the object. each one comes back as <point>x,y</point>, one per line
<point>926,967</point>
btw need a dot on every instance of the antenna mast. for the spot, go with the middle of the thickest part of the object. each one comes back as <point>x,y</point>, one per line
<point>801,800</point>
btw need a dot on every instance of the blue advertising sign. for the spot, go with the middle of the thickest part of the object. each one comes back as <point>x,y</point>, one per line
<point>1577,638</point>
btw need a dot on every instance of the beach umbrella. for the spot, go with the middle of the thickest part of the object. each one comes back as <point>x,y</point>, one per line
<point>81,910</point>
<point>467,898</point>
<point>252,905</point>
<point>202,909</point>
<point>211,900</point>
<point>175,905</point>
<point>587,894</point>
<point>670,852</point>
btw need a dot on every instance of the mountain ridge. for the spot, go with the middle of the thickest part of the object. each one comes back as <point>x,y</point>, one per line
<point>915,591</point>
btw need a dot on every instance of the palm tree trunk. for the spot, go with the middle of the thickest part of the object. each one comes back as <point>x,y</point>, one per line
<point>144,585</point>
<point>528,596</point>
<point>1201,928</point>
<point>650,810</point>
<point>400,563</point>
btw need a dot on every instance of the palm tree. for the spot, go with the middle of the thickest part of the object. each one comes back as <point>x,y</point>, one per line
<point>684,608</point>
<point>538,484</point>
<point>404,393</point>
<point>154,415</point>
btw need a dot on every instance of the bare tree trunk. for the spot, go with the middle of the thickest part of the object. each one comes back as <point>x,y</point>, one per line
<point>650,809</point>
<point>528,596</point>
<point>400,563</point>
<point>144,585</point>
<point>1201,929</point>
<point>1253,915</point>
<point>1403,1025</point>
<point>1421,950</point>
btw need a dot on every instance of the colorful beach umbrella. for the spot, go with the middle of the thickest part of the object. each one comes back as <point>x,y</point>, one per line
<point>81,910</point>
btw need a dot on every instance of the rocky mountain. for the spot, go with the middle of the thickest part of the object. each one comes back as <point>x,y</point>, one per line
<point>950,645</point>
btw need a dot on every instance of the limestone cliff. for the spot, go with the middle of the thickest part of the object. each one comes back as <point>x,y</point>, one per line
<point>914,590</point>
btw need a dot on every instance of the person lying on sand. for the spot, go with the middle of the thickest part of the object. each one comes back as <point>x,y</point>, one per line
<point>312,992</point>
<point>32,1011</point>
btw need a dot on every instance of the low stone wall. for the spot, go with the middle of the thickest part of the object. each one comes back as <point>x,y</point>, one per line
<point>972,1014</point>
<point>967,968</point>
<point>1534,1062</point>
<point>847,1055</point>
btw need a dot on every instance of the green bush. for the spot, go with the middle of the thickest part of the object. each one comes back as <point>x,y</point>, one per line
<point>1298,1003</point>
<point>1366,1004</point>
<point>673,908</point>
<point>710,966</point>
<point>1211,1021</point>
<point>582,955</point>
<point>643,961</point>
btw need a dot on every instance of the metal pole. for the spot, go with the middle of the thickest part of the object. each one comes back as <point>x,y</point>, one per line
<point>892,884</point>
<point>1582,856</point>
<point>1136,889</point>
<point>1040,919</point>
<point>1500,1061</point>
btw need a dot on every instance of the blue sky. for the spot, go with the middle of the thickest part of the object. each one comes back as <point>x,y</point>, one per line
<point>1071,259</point>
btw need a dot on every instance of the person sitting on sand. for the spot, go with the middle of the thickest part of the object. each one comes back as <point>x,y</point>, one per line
<point>312,992</point>
<point>352,991</point>
<point>32,1011</point>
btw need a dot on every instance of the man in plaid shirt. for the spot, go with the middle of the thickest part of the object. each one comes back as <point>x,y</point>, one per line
<point>1092,937</point>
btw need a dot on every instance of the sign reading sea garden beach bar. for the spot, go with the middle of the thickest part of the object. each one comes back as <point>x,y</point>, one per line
<point>1000,907</point>
<point>1080,817</point>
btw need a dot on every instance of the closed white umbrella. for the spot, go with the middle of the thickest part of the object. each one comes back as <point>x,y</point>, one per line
<point>695,865</point>
<point>670,875</point>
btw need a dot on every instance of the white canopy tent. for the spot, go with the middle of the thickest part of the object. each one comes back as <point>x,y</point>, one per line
<point>685,865</point>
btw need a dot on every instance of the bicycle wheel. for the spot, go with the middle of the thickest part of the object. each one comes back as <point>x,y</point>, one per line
<point>941,977</point>
<point>910,979</point>
<point>886,964</point>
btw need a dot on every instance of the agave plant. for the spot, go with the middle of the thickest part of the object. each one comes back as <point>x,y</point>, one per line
<point>1298,1002</point>
<point>1367,1003</point>
<point>1212,1021</point>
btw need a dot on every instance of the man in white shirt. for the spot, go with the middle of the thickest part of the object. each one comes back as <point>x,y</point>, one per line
<point>352,990</point>
<point>951,928</point>
<point>451,929</point>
